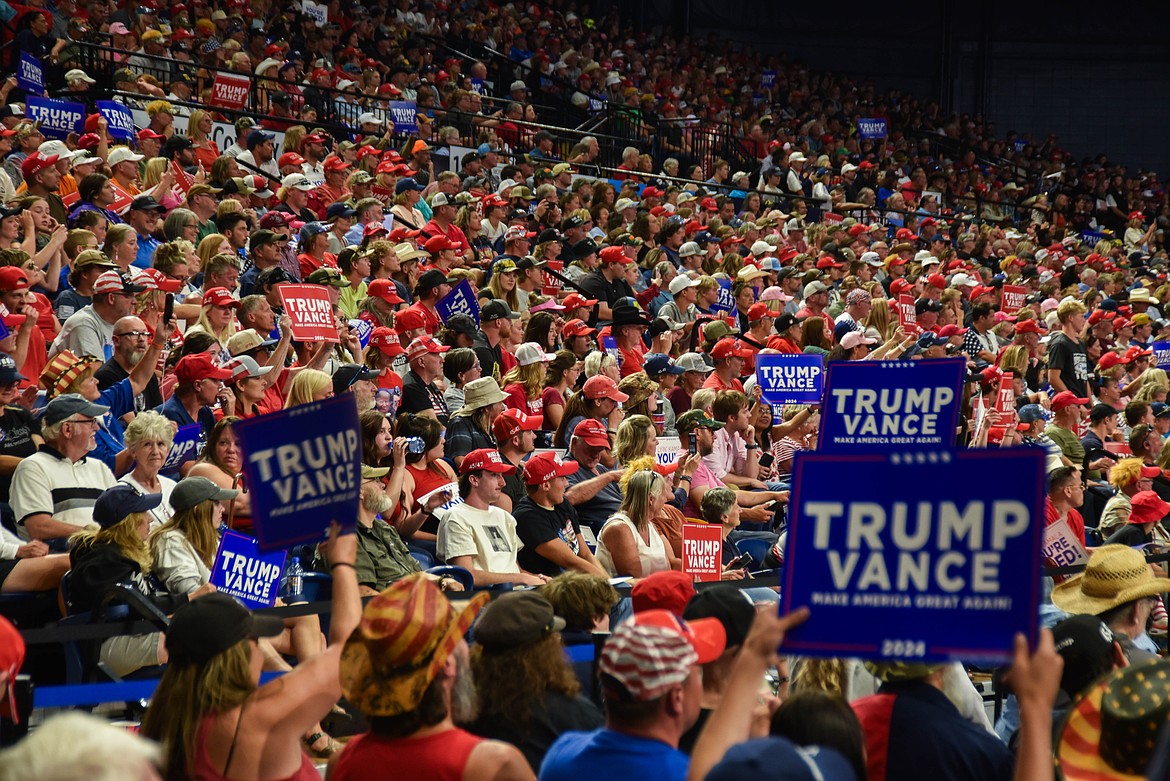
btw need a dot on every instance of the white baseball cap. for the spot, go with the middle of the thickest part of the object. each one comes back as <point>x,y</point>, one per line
<point>298,181</point>
<point>122,154</point>
<point>680,283</point>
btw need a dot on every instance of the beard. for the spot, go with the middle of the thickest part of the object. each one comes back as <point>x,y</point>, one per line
<point>376,501</point>
<point>134,357</point>
<point>464,707</point>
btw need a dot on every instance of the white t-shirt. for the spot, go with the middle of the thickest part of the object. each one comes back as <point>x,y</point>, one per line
<point>489,536</point>
<point>162,513</point>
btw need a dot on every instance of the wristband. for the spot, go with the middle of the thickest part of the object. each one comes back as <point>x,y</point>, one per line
<point>342,564</point>
<point>751,447</point>
<point>684,477</point>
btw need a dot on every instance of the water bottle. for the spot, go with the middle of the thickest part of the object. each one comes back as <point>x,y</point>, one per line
<point>294,582</point>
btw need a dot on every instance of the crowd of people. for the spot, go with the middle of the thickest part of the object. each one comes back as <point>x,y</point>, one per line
<point>596,392</point>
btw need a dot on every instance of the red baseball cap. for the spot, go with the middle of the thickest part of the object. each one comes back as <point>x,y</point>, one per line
<point>219,296</point>
<point>613,255</point>
<point>576,328</point>
<point>199,366</point>
<point>290,158</point>
<point>602,387</point>
<point>486,459</point>
<point>1066,399</point>
<point>408,320</point>
<point>709,205</point>
<point>938,281</point>
<point>828,261</point>
<point>951,330</point>
<point>35,163</point>
<point>758,311</point>
<point>592,432</point>
<point>512,421</point>
<point>13,278</point>
<point>386,340</point>
<point>576,301</point>
<point>373,229</point>
<point>727,347</point>
<point>1135,352</point>
<point>664,590</point>
<point>1099,315</point>
<point>146,133</point>
<point>437,244</point>
<point>153,279</point>
<point>422,345</point>
<point>336,164</point>
<point>384,289</point>
<point>1108,360</point>
<point>546,466</point>
<point>1030,327</point>
<point>899,286</point>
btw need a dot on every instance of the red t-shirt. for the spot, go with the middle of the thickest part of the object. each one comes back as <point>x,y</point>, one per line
<point>1075,522</point>
<point>309,264</point>
<point>517,400</point>
<point>715,381</point>
<point>431,320</point>
<point>632,361</point>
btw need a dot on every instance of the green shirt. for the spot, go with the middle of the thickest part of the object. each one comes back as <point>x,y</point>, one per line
<point>351,299</point>
<point>1069,444</point>
<point>382,556</point>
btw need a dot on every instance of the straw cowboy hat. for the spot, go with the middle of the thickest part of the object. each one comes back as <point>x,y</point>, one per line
<point>1116,574</point>
<point>405,637</point>
<point>1111,732</point>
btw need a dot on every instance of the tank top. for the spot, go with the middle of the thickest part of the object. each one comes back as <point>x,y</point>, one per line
<point>652,556</point>
<point>439,757</point>
<point>425,481</point>
<point>205,771</point>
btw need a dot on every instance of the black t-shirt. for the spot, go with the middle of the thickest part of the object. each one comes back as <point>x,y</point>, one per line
<point>1130,534</point>
<point>536,525</point>
<point>111,373</point>
<point>547,721</point>
<point>17,426</point>
<point>1072,361</point>
<point>418,396</point>
<point>597,286</point>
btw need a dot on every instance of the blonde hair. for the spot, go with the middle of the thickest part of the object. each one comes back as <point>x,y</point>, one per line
<point>1014,359</point>
<point>208,247</point>
<point>197,524</point>
<point>193,121</point>
<point>637,494</point>
<point>123,534</point>
<point>307,384</point>
<point>633,435</point>
<point>530,378</point>
<point>1125,472</point>
<point>153,171</point>
<point>115,235</point>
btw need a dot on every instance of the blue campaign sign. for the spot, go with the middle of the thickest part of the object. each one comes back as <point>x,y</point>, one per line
<point>609,344</point>
<point>949,570</point>
<point>245,573</point>
<point>768,79</point>
<point>186,446</point>
<point>1019,144</point>
<point>58,118</point>
<point>460,300</point>
<point>876,406</point>
<point>303,470</point>
<point>726,301</point>
<point>363,329</point>
<point>791,379</point>
<point>119,118</point>
<point>1161,354</point>
<point>1092,237</point>
<point>874,129</point>
<point>30,74</point>
<point>403,113</point>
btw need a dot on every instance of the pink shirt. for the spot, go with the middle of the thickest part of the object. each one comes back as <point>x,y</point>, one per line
<point>702,478</point>
<point>729,454</point>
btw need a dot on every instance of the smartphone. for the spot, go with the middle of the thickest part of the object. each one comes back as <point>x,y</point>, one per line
<point>169,308</point>
<point>692,443</point>
<point>742,561</point>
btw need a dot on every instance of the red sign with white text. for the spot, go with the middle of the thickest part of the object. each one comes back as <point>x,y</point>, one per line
<point>230,91</point>
<point>552,286</point>
<point>907,317</point>
<point>702,551</point>
<point>311,312</point>
<point>1012,299</point>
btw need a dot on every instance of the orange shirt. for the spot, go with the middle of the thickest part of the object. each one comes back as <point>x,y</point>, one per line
<point>715,381</point>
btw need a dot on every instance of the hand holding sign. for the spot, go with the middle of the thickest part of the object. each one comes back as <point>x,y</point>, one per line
<point>311,312</point>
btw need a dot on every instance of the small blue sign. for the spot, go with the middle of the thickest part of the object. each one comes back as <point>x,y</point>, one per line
<point>726,301</point>
<point>58,118</point>
<point>947,571</point>
<point>363,329</point>
<point>30,74</point>
<point>768,79</point>
<point>1161,354</point>
<point>119,119</point>
<point>187,444</point>
<point>303,470</point>
<point>609,345</point>
<point>1092,237</point>
<point>791,378</point>
<point>403,113</point>
<point>1019,144</point>
<point>478,87</point>
<point>879,406</point>
<point>245,573</point>
<point>872,129</point>
<point>460,300</point>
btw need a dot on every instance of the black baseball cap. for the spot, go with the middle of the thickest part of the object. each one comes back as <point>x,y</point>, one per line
<point>1086,645</point>
<point>430,279</point>
<point>728,604</point>
<point>549,234</point>
<point>273,276</point>
<point>461,324</point>
<point>349,373</point>
<point>206,627</point>
<point>584,248</point>
<point>1100,412</point>
<point>119,501</point>
<point>8,371</point>
<point>497,310</point>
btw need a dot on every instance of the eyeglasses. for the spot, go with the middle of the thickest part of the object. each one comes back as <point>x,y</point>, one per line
<point>84,422</point>
<point>135,334</point>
